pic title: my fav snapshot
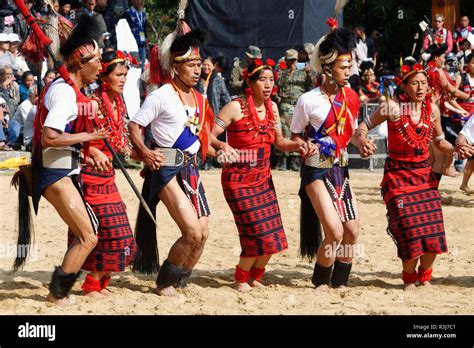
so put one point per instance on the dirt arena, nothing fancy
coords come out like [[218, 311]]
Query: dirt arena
[[375, 284]]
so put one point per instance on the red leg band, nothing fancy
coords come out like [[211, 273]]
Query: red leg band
[[424, 275], [257, 273], [409, 278], [241, 276], [104, 282], [90, 284]]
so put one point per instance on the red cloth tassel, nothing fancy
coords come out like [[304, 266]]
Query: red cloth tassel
[[409, 278], [241, 276], [104, 282], [91, 284], [257, 273], [424, 275]]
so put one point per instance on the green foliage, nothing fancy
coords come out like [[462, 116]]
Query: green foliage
[[162, 17]]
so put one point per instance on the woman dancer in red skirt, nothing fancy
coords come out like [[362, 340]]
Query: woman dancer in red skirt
[[116, 245], [253, 125], [409, 186]]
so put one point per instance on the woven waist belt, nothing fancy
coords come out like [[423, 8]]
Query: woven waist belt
[[176, 157], [60, 158], [320, 160]]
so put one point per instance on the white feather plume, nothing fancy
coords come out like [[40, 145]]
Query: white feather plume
[[315, 61], [339, 6], [182, 8], [165, 53]]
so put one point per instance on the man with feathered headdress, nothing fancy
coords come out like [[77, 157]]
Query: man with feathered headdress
[[326, 115], [62, 124], [180, 120]]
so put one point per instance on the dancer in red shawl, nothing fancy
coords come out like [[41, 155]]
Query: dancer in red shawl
[[409, 186], [444, 93], [326, 116], [253, 125], [180, 119], [116, 246], [62, 124]]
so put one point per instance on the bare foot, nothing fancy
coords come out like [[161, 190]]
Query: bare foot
[[106, 292], [93, 294], [427, 284], [323, 287], [256, 284], [409, 287], [67, 301], [242, 287], [466, 189], [450, 172], [169, 291]]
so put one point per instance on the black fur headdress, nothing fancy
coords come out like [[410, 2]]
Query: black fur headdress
[[85, 32], [337, 42]]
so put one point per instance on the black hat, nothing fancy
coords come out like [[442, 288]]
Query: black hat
[[437, 50]]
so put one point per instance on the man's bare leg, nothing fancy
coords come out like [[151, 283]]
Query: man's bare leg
[[183, 214], [468, 168], [333, 232], [67, 201]]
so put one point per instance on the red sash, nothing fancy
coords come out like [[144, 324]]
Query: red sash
[[344, 108], [206, 119], [83, 122]]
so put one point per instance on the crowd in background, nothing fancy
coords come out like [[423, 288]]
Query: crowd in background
[[221, 79]]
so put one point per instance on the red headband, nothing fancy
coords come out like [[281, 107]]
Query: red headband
[[119, 58], [407, 71], [270, 63]]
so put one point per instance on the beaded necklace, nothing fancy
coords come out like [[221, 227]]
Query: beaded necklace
[[262, 127], [116, 129], [193, 122], [408, 130]]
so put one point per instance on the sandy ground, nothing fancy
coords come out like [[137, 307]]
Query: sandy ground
[[375, 284]]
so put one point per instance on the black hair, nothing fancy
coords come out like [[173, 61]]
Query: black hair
[[366, 65], [49, 71], [222, 62], [25, 75]]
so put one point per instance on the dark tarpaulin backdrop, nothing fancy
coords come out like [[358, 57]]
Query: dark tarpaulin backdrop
[[272, 25]]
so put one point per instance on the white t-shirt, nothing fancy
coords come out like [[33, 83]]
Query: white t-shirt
[[468, 130], [167, 115], [28, 129], [311, 108], [22, 112], [60, 100]]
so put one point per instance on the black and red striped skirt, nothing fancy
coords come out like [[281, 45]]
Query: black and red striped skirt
[[257, 216], [415, 217], [116, 245]]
